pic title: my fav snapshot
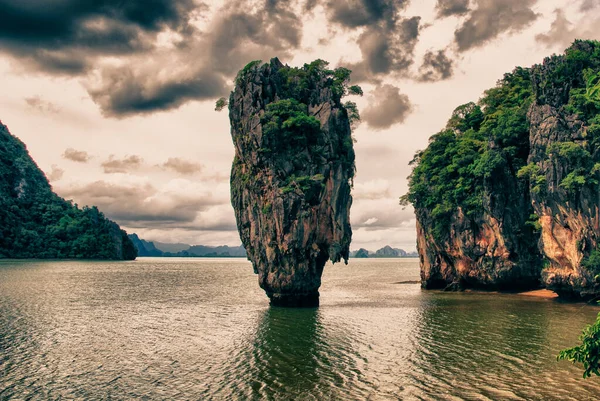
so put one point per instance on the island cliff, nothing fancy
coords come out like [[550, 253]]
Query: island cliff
[[507, 195], [37, 223], [292, 174]]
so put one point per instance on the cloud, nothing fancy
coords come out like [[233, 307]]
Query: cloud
[[124, 165], [382, 214], [38, 104], [435, 67], [491, 18], [376, 189], [587, 5], [562, 32], [74, 155], [199, 67], [387, 106], [358, 13], [386, 49], [56, 173], [446, 8], [177, 205], [134, 59], [65, 37], [182, 166], [125, 91]]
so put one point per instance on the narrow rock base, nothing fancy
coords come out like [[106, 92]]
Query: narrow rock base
[[310, 300]]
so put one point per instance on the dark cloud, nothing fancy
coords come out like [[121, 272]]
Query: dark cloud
[[39, 105], [386, 50], [113, 44], [142, 206], [436, 66], [587, 5], [56, 173], [491, 18], [65, 36], [357, 13], [124, 165], [199, 67], [124, 91], [446, 8], [387, 107], [181, 166], [79, 156]]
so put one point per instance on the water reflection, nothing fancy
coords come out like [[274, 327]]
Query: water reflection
[[495, 347], [202, 330]]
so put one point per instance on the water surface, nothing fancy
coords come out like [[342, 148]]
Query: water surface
[[197, 329]]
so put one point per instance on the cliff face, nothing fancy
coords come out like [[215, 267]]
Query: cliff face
[[36, 223], [291, 177], [564, 144], [531, 161], [487, 251]]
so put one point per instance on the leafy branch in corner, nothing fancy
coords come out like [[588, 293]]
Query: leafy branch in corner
[[588, 353]]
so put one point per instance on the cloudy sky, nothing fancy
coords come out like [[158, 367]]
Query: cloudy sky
[[115, 99]]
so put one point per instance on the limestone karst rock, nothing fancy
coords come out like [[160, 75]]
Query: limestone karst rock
[[291, 175], [508, 195]]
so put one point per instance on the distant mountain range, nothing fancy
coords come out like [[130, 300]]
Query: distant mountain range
[[160, 249], [385, 252]]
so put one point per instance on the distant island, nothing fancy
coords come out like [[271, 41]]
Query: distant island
[[385, 252], [179, 250]]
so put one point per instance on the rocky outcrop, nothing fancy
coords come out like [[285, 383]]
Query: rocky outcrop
[[291, 176], [569, 217], [537, 178], [487, 252]]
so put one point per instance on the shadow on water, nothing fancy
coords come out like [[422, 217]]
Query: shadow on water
[[293, 355]]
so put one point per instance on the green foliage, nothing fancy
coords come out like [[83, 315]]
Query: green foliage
[[247, 68], [355, 90], [353, 114], [287, 126], [580, 162], [592, 262], [451, 172], [534, 222], [36, 223], [533, 173], [299, 83], [221, 104], [588, 353]]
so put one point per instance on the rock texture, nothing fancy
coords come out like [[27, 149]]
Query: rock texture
[[570, 225], [291, 203], [496, 248], [487, 252]]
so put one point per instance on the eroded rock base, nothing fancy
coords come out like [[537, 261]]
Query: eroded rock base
[[310, 300]]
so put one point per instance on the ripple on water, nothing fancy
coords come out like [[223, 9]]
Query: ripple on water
[[201, 329]]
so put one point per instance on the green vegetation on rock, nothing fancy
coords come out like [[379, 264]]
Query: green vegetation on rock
[[451, 172], [37, 223]]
